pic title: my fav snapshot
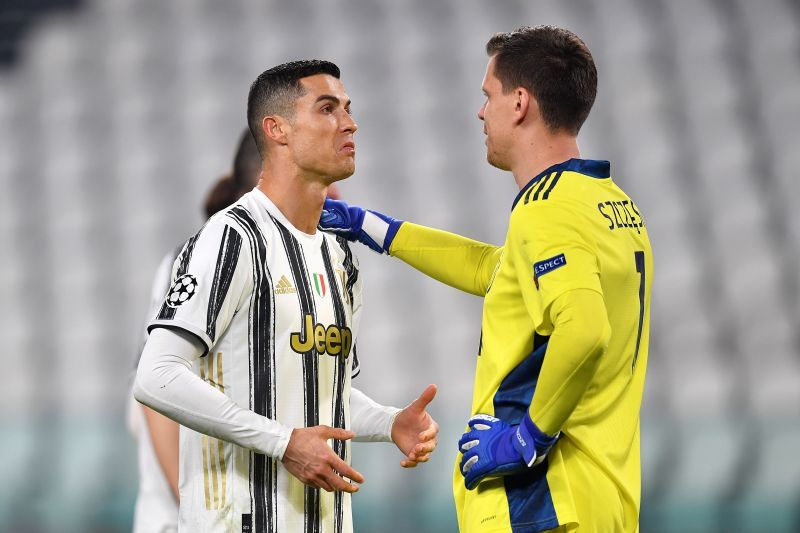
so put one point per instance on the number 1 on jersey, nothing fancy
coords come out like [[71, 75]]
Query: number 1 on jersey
[[638, 258]]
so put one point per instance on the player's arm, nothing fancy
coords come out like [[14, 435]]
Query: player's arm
[[558, 276], [463, 263], [164, 435], [412, 429], [457, 261], [213, 279], [165, 382], [580, 336]]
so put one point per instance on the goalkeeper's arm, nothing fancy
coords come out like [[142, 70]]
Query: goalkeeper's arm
[[454, 260], [462, 263], [580, 336], [491, 448]]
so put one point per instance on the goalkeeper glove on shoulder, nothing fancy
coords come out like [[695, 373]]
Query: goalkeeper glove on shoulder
[[358, 224], [491, 448]]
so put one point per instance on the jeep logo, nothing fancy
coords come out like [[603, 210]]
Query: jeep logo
[[332, 340]]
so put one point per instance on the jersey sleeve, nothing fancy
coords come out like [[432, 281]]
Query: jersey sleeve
[[580, 337], [161, 284], [211, 280], [462, 263], [552, 255]]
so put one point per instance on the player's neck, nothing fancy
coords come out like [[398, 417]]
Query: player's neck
[[540, 153], [300, 200]]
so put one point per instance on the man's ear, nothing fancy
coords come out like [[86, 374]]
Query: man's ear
[[275, 128], [522, 104]]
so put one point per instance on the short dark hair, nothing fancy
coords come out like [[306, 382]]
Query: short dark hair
[[276, 89], [246, 163], [222, 194], [246, 170], [555, 65]]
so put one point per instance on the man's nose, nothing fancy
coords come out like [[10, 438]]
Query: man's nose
[[348, 124]]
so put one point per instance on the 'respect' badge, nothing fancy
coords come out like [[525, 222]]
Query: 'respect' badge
[[548, 265], [182, 290]]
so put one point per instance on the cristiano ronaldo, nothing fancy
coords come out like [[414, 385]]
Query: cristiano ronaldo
[[253, 348]]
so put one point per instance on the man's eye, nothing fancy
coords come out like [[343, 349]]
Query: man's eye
[[326, 109]]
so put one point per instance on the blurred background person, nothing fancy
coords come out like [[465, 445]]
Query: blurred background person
[[156, 435], [113, 112]]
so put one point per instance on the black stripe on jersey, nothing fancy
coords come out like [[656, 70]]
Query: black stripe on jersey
[[263, 469], [340, 377], [310, 360], [546, 194], [536, 187], [349, 268], [541, 187], [545, 185], [351, 272], [227, 259], [356, 366], [166, 312], [176, 253]]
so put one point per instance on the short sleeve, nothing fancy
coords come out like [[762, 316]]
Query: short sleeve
[[211, 279], [161, 283], [552, 255]]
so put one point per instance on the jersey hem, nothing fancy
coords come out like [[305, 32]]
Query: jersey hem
[[529, 527]]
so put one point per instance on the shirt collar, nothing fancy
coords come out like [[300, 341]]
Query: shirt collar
[[588, 167]]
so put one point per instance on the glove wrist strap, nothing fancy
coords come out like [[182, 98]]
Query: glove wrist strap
[[380, 228], [530, 442]]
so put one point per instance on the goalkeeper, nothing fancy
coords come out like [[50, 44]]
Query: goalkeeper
[[553, 443]]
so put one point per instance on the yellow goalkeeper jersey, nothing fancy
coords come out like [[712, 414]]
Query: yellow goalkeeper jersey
[[571, 228]]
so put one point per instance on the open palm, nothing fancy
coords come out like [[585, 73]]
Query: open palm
[[414, 430]]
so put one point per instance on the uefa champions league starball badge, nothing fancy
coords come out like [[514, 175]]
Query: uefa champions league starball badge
[[182, 290]]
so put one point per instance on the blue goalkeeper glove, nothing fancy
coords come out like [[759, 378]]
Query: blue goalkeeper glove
[[492, 448], [357, 224]]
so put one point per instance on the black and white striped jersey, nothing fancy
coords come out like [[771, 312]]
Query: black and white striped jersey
[[278, 312]]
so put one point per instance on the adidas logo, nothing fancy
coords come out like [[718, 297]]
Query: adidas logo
[[284, 286]]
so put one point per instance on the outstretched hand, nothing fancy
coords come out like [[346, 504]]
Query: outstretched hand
[[309, 458], [414, 430]]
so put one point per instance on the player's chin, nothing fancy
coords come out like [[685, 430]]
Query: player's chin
[[495, 162], [344, 170]]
